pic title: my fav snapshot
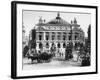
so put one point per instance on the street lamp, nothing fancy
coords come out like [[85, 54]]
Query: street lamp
[[71, 37]]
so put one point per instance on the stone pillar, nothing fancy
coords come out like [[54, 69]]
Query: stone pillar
[[60, 45], [56, 44], [55, 36], [44, 46], [61, 36], [37, 35], [44, 35], [66, 36], [73, 36], [50, 35], [37, 46]]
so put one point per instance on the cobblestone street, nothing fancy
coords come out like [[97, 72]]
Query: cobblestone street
[[54, 63]]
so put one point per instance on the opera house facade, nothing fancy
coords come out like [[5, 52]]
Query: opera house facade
[[58, 33]]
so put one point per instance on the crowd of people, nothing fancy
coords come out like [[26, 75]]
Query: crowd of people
[[83, 54]]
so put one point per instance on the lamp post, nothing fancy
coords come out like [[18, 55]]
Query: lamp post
[[71, 38]]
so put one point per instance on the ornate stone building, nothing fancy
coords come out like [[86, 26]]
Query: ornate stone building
[[58, 33]]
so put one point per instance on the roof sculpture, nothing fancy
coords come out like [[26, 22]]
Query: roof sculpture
[[57, 21]]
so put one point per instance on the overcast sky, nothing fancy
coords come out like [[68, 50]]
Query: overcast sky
[[30, 18]]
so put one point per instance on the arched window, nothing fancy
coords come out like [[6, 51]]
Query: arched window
[[40, 37], [47, 45], [53, 44], [64, 37], [69, 37], [40, 45], [58, 45], [53, 37], [64, 45], [59, 36], [76, 35], [47, 36]]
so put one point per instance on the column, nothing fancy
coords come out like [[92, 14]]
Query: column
[[44, 33], [67, 36], [44, 46], [56, 36], [73, 35], [61, 45], [50, 36], [56, 44], [37, 47], [73, 38]]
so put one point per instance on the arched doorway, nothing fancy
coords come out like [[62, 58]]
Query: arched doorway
[[58, 45], [40, 45], [64, 45]]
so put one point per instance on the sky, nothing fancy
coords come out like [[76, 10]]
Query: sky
[[31, 18]]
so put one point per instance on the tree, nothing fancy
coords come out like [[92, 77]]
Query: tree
[[33, 44], [68, 53], [25, 51]]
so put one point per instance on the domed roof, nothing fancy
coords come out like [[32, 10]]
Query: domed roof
[[58, 20]]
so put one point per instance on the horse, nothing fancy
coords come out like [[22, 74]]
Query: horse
[[43, 57]]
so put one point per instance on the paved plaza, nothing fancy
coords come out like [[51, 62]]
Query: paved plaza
[[54, 63]]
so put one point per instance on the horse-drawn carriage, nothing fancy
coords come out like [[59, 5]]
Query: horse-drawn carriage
[[40, 57]]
